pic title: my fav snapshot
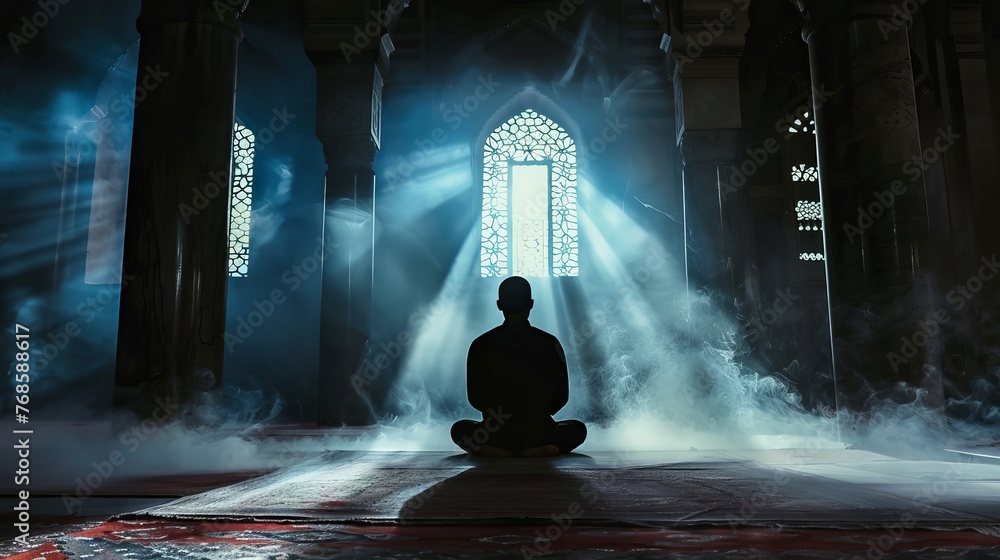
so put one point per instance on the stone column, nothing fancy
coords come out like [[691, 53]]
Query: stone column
[[703, 45], [349, 45], [976, 65], [883, 318], [175, 266], [345, 313], [707, 97], [704, 61], [710, 211]]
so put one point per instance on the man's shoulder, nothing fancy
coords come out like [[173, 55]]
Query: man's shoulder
[[544, 335], [548, 340], [487, 336], [500, 333]]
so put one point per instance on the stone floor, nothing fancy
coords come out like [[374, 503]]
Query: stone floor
[[784, 503]]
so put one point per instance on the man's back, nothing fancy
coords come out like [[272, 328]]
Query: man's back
[[520, 368]]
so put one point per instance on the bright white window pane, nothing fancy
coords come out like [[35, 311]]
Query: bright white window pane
[[529, 219]]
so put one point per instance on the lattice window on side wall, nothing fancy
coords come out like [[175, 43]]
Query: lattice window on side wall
[[803, 124], [529, 218], [810, 215], [808, 212], [803, 172], [240, 202]]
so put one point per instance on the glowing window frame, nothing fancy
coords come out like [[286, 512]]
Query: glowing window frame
[[529, 138]]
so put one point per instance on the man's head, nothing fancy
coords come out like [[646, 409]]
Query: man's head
[[515, 297]]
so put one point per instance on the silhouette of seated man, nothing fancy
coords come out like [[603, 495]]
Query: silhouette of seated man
[[517, 378]]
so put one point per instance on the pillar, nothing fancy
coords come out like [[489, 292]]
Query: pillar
[[175, 265], [346, 307], [705, 62], [884, 320], [709, 211], [972, 178], [349, 44]]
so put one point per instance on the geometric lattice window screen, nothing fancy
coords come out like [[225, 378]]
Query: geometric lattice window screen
[[810, 218], [803, 172], [803, 124], [529, 221], [239, 203], [808, 213]]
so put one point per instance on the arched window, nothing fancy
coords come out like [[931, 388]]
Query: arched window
[[239, 203], [529, 199]]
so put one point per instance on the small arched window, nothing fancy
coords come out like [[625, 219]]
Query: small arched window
[[529, 221]]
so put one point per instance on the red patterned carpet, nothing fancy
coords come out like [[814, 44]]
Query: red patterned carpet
[[820, 504], [152, 539]]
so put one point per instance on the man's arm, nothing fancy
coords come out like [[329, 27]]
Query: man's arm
[[476, 380], [560, 381]]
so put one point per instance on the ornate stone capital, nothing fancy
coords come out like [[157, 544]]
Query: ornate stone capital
[[350, 101], [349, 43], [707, 94]]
